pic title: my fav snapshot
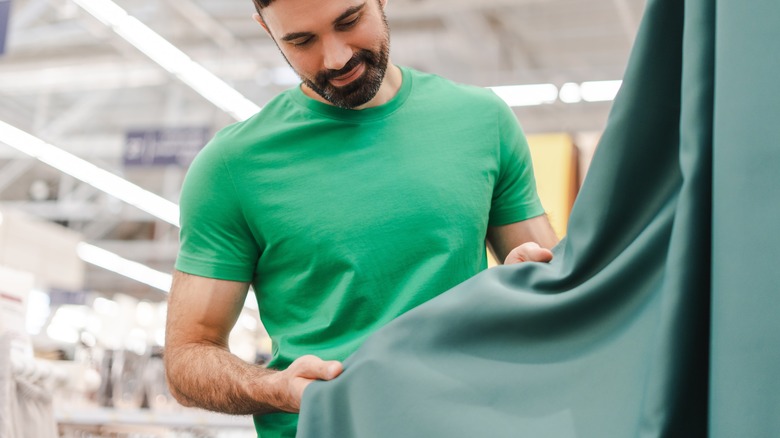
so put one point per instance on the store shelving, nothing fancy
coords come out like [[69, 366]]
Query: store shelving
[[175, 419]]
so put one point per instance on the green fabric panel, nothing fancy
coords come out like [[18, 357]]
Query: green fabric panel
[[611, 339], [745, 395]]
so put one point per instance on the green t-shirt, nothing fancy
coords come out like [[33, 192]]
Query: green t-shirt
[[344, 219]]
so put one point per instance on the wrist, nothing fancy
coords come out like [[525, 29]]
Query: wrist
[[268, 389]]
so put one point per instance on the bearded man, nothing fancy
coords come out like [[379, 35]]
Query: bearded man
[[348, 200]]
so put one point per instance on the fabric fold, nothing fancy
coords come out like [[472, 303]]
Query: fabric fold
[[613, 337]]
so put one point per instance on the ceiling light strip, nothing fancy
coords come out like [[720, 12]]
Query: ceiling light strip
[[159, 50], [527, 95], [544, 94], [600, 91], [134, 270], [87, 172]]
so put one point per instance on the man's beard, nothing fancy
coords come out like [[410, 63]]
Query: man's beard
[[360, 90]]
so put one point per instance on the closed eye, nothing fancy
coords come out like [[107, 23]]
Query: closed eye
[[302, 42], [346, 25]]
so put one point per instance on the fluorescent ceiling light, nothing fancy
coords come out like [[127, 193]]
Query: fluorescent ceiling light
[[112, 262], [570, 93], [171, 58], [89, 173], [137, 271], [527, 95], [114, 186], [600, 91]]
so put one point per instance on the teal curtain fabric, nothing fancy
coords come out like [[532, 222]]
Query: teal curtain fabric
[[659, 315], [745, 359]]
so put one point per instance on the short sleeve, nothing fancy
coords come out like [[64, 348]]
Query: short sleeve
[[514, 194], [216, 240]]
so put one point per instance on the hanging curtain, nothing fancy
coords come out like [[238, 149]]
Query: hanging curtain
[[660, 314]]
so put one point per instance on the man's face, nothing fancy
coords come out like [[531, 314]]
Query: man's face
[[339, 48]]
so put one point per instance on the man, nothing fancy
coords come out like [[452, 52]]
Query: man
[[347, 201]]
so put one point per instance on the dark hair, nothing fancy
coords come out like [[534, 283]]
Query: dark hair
[[260, 4]]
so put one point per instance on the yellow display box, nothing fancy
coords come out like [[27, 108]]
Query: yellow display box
[[556, 172]]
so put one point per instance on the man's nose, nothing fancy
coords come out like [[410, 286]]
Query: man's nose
[[337, 53]]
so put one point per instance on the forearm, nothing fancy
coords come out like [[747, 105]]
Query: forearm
[[504, 239], [210, 377], [546, 236]]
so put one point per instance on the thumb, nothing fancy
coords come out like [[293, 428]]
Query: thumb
[[312, 367], [528, 252], [332, 369]]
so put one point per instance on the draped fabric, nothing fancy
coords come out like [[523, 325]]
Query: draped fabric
[[26, 409], [745, 335], [659, 316]]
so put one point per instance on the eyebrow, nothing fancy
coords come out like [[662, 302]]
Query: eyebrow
[[348, 12], [296, 35]]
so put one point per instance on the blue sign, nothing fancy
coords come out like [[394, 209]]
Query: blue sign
[[164, 147], [58, 297], [5, 12]]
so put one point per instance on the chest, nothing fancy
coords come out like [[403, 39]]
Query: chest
[[342, 189]]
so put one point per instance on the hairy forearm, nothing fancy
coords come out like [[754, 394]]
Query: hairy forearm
[[210, 377]]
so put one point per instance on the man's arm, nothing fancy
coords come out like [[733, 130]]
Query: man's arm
[[528, 240], [201, 370]]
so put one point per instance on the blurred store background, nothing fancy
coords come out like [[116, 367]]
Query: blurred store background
[[102, 106]]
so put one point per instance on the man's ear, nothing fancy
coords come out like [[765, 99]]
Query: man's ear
[[259, 19]]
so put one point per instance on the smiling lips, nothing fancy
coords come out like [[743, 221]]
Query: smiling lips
[[349, 77]]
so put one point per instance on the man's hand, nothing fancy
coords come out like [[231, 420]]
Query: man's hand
[[519, 236], [528, 252], [299, 375]]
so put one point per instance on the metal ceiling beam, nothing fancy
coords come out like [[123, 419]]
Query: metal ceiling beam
[[76, 211], [14, 170], [148, 250], [207, 24], [99, 227], [85, 107], [29, 13]]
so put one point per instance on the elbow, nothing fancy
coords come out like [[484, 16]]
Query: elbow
[[177, 395], [172, 382]]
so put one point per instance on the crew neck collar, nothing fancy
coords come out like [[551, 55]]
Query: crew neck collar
[[372, 113]]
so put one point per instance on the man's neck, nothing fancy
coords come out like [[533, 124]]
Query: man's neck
[[389, 88]]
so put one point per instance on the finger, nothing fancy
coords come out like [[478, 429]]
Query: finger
[[528, 252], [312, 367], [540, 255], [333, 369], [311, 370]]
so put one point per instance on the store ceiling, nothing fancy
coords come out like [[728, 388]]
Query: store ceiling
[[70, 80]]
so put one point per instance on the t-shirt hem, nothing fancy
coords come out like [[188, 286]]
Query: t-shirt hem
[[210, 270], [508, 215]]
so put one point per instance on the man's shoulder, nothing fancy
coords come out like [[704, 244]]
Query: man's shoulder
[[445, 89], [236, 137], [276, 110]]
